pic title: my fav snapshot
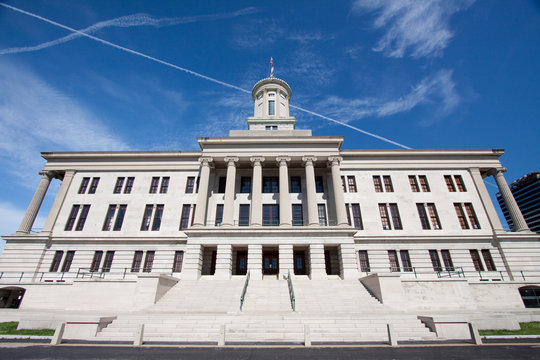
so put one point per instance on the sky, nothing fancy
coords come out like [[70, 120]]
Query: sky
[[155, 75]]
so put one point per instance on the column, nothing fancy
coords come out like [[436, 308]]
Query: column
[[285, 210], [349, 269], [255, 261], [316, 259], [286, 261], [58, 201], [517, 217], [32, 211], [192, 262], [339, 199], [486, 200], [228, 208], [256, 191], [202, 197], [223, 262], [311, 193]]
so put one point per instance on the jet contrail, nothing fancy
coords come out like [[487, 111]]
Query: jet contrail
[[81, 33]]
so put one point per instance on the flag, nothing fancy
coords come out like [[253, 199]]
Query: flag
[[271, 66]]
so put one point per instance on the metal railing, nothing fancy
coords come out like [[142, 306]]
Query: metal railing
[[85, 273], [243, 296], [426, 272], [291, 291]]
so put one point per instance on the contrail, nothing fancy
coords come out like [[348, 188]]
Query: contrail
[[82, 33]]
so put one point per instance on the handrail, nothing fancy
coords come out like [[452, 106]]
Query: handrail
[[291, 291], [243, 296]]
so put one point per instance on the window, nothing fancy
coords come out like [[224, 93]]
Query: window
[[68, 260], [137, 260], [351, 180], [393, 259], [423, 183], [297, 215], [93, 185], [319, 185], [119, 185], [109, 256], [245, 184], [82, 217], [147, 216], [243, 218], [270, 215], [270, 184], [72, 217], [129, 185], [164, 185], [154, 185], [119, 217], [377, 183], [271, 107], [433, 216], [530, 295], [414, 183], [423, 216], [357, 216], [184, 219], [149, 261], [296, 184], [461, 216], [478, 266], [84, 185], [270, 127], [396, 220], [96, 261], [343, 184], [422, 179], [449, 183], [385, 219], [56, 261], [405, 260], [321, 210], [460, 184], [222, 183], [219, 215], [488, 260], [348, 211], [435, 261], [190, 184], [388, 187], [364, 261], [178, 260], [447, 260], [471, 215]]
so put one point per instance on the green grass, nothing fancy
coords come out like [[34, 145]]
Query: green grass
[[529, 328], [10, 328]]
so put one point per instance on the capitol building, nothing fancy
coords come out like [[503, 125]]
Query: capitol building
[[271, 235]]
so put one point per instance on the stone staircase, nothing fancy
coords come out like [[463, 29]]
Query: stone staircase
[[268, 295]]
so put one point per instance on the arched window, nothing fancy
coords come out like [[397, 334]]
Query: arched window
[[530, 296], [11, 297]]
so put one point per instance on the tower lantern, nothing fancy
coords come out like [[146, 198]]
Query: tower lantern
[[271, 109]]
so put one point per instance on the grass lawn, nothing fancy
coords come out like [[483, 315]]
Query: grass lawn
[[10, 328], [529, 328]]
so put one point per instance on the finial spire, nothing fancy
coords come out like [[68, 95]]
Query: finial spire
[[271, 67]]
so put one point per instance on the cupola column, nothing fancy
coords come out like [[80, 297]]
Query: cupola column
[[202, 198], [339, 199], [515, 213], [228, 208], [284, 198], [311, 193], [256, 191], [32, 211]]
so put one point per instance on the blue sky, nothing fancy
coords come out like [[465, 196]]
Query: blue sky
[[424, 74]]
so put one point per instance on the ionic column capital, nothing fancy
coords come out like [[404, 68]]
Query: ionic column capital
[[283, 160], [495, 171], [206, 160], [231, 160], [309, 160], [334, 160], [257, 160], [48, 174]]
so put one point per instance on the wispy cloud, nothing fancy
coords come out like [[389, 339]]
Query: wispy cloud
[[35, 117], [132, 21], [311, 67], [418, 27]]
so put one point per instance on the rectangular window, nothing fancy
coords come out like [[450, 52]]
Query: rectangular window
[[119, 185], [447, 260], [351, 180], [222, 183], [364, 261], [164, 185], [423, 183], [435, 261], [219, 215], [178, 260], [488, 260], [296, 184], [137, 260], [321, 210], [190, 184], [193, 217], [478, 266], [297, 215], [243, 218], [414, 183], [72, 217], [271, 107], [377, 183], [385, 219], [109, 256], [461, 216], [270, 215], [396, 219], [319, 185], [357, 216], [197, 184], [347, 209], [460, 184], [423, 216], [472, 216], [93, 185], [245, 184], [84, 185], [434, 216], [146, 217], [120, 218], [68, 260], [343, 184], [149, 261], [96, 261], [393, 259], [108, 218], [129, 185], [184, 219], [56, 261], [405, 260], [449, 183], [270, 184], [82, 217], [156, 224], [426, 220], [154, 185], [388, 187]]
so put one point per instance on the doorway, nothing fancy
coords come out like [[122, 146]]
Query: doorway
[[270, 262], [300, 263], [209, 260], [241, 262]]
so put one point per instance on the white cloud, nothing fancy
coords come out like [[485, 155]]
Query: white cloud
[[419, 27], [10, 219]]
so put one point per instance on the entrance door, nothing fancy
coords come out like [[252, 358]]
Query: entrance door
[[270, 263], [241, 263], [300, 262]]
